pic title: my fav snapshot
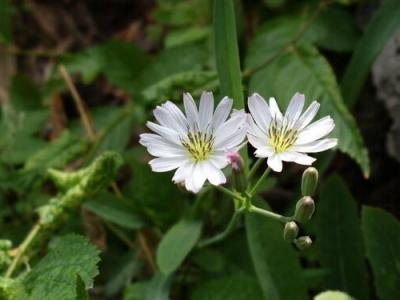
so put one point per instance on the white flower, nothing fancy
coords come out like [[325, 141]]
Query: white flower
[[195, 143], [287, 137]]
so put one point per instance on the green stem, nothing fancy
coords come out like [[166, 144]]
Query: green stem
[[120, 234], [259, 181], [269, 214], [221, 236], [229, 192], [255, 167], [22, 249]]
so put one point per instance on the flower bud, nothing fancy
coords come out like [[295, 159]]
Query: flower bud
[[303, 242], [291, 231], [309, 181], [305, 208], [235, 160]]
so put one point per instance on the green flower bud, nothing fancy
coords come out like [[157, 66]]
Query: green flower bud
[[303, 242], [290, 232], [305, 208], [309, 181]]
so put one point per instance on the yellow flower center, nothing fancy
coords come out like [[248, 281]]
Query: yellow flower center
[[281, 137], [199, 145]]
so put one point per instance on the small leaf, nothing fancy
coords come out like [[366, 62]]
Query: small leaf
[[234, 287], [55, 276], [333, 295], [115, 210], [158, 288], [176, 244], [382, 240], [276, 263], [337, 231], [385, 23]]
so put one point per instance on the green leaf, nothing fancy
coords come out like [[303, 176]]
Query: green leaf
[[161, 203], [136, 291], [337, 231], [234, 287], [172, 87], [6, 14], [55, 276], [276, 263], [176, 244], [12, 289], [382, 240], [57, 153], [311, 74], [24, 95], [186, 35], [82, 293], [332, 295], [158, 288], [115, 210], [227, 52], [385, 23], [174, 60]]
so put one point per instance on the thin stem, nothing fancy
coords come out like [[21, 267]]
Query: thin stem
[[254, 189], [229, 192], [255, 167], [22, 249], [269, 214], [224, 234]]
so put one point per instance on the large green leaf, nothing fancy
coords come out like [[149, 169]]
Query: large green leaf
[[382, 240], [382, 27], [235, 287], [337, 231], [227, 52], [55, 276], [276, 263], [115, 210], [304, 70], [176, 244]]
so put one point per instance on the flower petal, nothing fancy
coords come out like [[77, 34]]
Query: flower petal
[[192, 115], [230, 128], [316, 146], [196, 179], [275, 163], [206, 109], [166, 119], [167, 133], [294, 108], [274, 109], [214, 175], [183, 172], [222, 112], [315, 130], [260, 111], [165, 164], [264, 152], [308, 115], [300, 158]]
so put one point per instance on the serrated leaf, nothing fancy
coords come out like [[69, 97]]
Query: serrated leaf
[[55, 276], [385, 23], [234, 287], [382, 241], [276, 263], [176, 244], [332, 295], [337, 231], [115, 210], [311, 74]]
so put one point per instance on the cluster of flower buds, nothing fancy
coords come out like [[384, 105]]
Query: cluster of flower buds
[[305, 208], [5, 257]]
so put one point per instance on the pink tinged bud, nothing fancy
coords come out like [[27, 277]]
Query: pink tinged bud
[[235, 160]]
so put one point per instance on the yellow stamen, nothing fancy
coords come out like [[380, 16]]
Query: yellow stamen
[[199, 145], [281, 137]]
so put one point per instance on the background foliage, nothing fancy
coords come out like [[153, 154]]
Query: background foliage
[[113, 230]]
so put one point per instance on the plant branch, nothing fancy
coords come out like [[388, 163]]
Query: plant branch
[[269, 214], [22, 249], [254, 189]]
